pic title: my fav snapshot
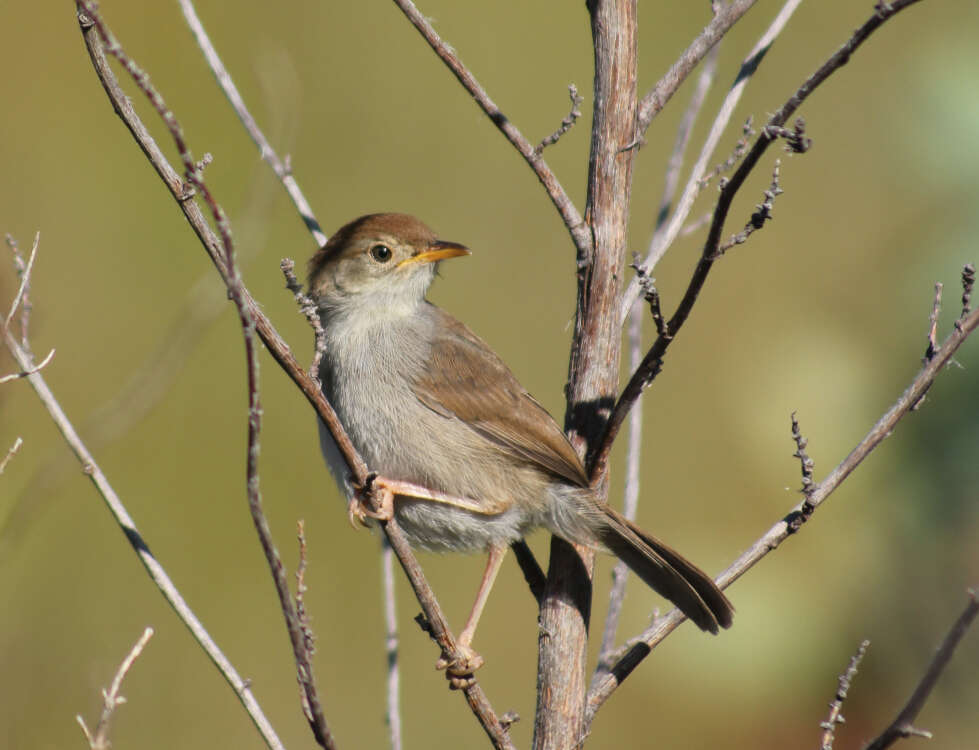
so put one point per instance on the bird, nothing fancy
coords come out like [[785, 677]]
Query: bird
[[466, 459]]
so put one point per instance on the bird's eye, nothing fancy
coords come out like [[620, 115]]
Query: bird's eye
[[381, 253]]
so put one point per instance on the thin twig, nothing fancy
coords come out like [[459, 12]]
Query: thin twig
[[532, 572], [653, 102], [25, 281], [24, 373], [763, 213], [25, 306], [562, 202], [630, 501], [662, 240], [90, 21], [709, 254], [281, 169], [301, 589], [739, 150], [684, 133], [156, 571], [11, 453], [968, 281], [936, 308], [567, 123], [308, 308], [805, 462], [836, 706], [99, 739], [640, 647], [903, 726], [274, 343], [438, 628], [393, 693], [652, 364]]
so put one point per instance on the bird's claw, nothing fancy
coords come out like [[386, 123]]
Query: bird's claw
[[361, 510]]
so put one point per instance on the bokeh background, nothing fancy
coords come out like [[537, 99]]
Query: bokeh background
[[823, 313]]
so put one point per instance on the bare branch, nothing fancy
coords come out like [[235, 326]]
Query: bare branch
[[567, 123], [653, 102], [393, 712], [532, 572], [97, 34], [156, 571], [652, 364], [275, 345], [111, 699], [836, 707], [34, 368], [631, 491], [902, 725], [968, 281], [763, 213], [562, 202], [936, 308], [712, 246], [640, 647], [281, 169], [630, 503], [739, 150], [308, 309], [593, 364], [804, 460], [25, 280], [301, 589], [438, 627], [11, 453], [25, 296], [663, 239]]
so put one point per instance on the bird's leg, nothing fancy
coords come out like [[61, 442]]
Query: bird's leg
[[358, 508], [459, 668]]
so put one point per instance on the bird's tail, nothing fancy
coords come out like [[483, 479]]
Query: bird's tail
[[665, 571]]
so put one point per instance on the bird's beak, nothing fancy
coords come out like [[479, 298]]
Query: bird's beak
[[438, 250]]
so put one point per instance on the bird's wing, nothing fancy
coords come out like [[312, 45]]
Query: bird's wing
[[464, 379]]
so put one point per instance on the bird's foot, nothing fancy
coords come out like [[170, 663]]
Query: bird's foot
[[459, 668], [373, 500]]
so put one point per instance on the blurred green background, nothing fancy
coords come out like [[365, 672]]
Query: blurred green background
[[823, 313]]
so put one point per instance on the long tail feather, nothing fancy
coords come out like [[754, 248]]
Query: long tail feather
[[665, 571]]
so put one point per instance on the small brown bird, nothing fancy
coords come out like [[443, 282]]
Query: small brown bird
[[474, 461]]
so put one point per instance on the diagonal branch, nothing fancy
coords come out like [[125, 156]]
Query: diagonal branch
[[654, 101], [843, 684], [562, 202], [98, 40], [797, 517], [634, 336], [902, 725], [227, 84], [155, 570], [665, 234], [283, 356], [98, 738], [772, 131]]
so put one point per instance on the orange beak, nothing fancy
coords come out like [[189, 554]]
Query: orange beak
[[437, 251]]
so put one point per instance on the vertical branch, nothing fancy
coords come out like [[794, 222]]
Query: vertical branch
[[630, 503], [593, 368], [393, 711]]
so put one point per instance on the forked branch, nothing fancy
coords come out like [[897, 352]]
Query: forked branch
[[713, 245], [93, 27], [639, 648]]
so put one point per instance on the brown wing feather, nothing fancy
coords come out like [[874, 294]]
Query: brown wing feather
[[465, 379]]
